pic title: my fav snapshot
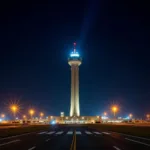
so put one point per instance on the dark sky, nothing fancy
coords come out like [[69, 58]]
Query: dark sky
[[112, 37]]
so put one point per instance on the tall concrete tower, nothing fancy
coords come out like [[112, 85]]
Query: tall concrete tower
[[74, 61]]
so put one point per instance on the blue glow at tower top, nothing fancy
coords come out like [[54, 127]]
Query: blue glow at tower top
[[74, 53]]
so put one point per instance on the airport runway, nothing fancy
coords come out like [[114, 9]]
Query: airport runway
[[80, 138]]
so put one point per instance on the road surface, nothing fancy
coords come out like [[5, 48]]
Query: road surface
[[83, 138]]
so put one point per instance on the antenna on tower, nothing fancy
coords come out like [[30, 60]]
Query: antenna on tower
[[74, 45]]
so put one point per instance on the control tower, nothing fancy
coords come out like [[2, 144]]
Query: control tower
[[74, 61]]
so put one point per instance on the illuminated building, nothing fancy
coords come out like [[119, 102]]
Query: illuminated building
[[62, 114], [74, 61]]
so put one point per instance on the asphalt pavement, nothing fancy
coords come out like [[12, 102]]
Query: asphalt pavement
[[74, 138]]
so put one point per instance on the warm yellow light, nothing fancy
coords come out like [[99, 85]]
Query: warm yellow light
[[105, 113], [14, 108], [93, 121], [147, 115], [114, 109], [31, 112], [3, 115], [41, 114], [130, 115], [24, 116]]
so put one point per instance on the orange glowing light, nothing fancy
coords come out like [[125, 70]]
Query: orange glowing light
[[148, 116], [3, 115], [41, 114], [105, 113], [114, 109], [14, 108], [31, 112], [24, 116], [130, 115]]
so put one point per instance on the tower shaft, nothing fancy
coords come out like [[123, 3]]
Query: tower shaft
[[74, 108]]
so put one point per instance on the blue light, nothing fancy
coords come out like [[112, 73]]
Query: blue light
[[127, 118], [53, 122], [0, 120], [74, 54], [104, 117]]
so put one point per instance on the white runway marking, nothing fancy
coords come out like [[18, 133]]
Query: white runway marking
[[42, 132], [78, 132], [32, 148], [106, 133], [87, 132], [9, 142], [137, 142], [116, 148], [50, 132], [132, 136], [70, 132], [10, 137], [97, 133], [60, 132]]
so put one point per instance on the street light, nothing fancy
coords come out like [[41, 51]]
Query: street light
[[105, 113], [31, 112], [41, 114], [114, 109], [130, 115], [3, 115], [14, 108], [148, 116], [24, 116]]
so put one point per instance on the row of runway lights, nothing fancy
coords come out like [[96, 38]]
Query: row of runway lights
[[15, 109]]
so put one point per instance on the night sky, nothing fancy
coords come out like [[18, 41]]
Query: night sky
[[36, 39]]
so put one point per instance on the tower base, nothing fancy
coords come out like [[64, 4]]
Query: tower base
[[75, 120]]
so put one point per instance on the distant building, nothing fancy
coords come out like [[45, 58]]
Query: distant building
[[75, 120], [62, 114]]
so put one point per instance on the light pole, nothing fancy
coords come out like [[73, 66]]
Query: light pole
[[130, 116], [41, 114], [14, 109], [114, 109], [148, 116], [31, 112]]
